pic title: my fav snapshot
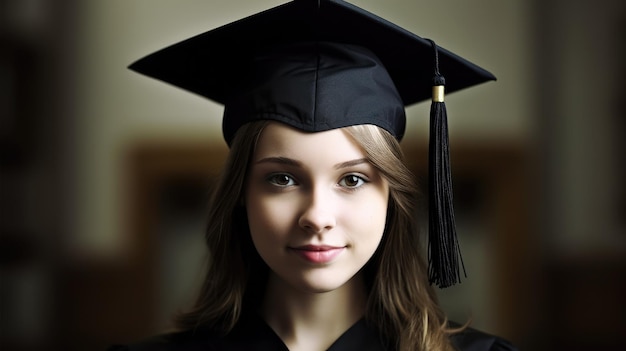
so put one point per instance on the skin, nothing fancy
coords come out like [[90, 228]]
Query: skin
[[308, 192]]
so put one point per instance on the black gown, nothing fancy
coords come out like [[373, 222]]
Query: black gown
[[253, 334]]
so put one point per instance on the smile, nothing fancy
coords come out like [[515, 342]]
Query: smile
[[318, 254]]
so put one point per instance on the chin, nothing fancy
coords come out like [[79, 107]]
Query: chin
[[319, 285], [323, 288]]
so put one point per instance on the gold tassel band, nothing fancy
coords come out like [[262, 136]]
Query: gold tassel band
[[438, 93]]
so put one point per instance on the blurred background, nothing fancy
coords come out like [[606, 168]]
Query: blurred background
[[105, 173]]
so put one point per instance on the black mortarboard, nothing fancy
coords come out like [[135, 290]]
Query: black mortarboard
[[323, 64]]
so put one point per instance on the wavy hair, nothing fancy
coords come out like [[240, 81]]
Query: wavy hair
[[401, 305]]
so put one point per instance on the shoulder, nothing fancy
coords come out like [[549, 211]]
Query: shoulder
[[184, 341], [250, 334], [475, 340]]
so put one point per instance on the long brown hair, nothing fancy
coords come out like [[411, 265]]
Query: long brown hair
[[402, 305]]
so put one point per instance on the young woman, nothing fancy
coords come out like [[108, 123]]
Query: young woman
[[312, 229]]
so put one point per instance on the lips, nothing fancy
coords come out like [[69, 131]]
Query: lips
[[318, 254]]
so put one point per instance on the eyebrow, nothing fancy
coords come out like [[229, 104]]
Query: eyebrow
[[351, 163], [280, 160], [295, 163]]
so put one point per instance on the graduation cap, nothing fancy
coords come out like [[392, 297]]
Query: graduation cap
[[324, 64]]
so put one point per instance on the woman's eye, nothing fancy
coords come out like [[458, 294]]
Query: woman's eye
[[282, 180], [352, 181]]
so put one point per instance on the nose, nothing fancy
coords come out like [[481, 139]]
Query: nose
[[318, 215]]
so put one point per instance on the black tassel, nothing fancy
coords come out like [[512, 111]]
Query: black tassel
[[444, 253]]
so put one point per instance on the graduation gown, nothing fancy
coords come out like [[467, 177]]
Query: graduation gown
[[253, 334]]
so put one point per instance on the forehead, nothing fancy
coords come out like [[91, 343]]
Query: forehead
[[278, 139]]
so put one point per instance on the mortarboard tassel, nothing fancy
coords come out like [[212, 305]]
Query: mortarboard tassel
[[444, 253]]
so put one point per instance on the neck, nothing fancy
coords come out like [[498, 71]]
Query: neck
[[312, 320]]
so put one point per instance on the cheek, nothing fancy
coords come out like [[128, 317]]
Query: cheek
[[368, 219], [267, 219], [375, 207]]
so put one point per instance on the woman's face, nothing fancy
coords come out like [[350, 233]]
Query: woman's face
[[316, 207]]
